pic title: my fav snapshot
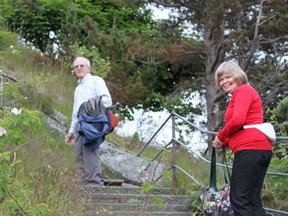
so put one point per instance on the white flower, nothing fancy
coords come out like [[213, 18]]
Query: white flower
[[2, 131], [15, 111]]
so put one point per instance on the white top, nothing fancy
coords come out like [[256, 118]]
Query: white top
[[88, 87]]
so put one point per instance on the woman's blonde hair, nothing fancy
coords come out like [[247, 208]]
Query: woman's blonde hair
[[233, 69]]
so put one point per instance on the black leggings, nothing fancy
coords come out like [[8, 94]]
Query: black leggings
[[248, 173]]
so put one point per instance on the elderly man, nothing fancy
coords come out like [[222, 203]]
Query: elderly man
[[87, 158]]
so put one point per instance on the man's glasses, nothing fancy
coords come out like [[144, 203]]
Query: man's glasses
[[81, 66]]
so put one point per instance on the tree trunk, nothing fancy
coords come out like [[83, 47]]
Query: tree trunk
[[214, 40]]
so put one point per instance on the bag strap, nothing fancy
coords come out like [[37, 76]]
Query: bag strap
[[227, 177], [213, 169], [213, 176]]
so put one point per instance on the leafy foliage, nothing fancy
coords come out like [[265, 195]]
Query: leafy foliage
[[17, 126], [277, 117], [128, 53], [7, 39], [28, 168], [131, 44], [36, 21], [6, 171], [281, 111]]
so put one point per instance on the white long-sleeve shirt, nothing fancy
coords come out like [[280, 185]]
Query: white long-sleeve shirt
[[88, 87]]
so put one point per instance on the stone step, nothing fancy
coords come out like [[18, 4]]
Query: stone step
[[139, 207], [125, 201], [113, 182], [135, 213], [130, 190], [132, 198]]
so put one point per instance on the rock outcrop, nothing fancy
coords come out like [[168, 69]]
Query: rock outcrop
[[133, 169]]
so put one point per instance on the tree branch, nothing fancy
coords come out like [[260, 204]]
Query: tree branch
[[265, 41], [200, 51], [255, 41], [24, 212]]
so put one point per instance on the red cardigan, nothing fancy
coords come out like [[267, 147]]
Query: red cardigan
[[244, 108]]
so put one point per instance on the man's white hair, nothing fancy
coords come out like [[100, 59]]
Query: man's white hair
[[87, 62]]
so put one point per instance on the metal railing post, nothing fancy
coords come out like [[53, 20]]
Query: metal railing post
[[2, 76], [174, 176]]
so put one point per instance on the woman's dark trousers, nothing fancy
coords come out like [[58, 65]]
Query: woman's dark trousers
[[248, 173]]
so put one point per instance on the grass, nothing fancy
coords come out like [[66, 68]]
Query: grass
[[43, 183]]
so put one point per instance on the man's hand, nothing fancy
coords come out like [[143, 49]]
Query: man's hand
[[68, 138]]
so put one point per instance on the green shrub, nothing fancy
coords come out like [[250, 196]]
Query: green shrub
[[7, 40]]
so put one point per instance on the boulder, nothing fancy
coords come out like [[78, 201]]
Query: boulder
[[133, 169]]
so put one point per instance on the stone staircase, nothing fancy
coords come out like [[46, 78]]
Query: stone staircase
[[126, 200]]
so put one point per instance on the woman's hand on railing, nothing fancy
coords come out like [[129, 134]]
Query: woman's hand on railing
[[217, 143]]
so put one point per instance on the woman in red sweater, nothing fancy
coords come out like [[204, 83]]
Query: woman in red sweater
[[252, 149]]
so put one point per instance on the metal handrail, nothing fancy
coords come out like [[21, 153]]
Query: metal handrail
[[173, 141], [278, 138], [193, 125], [156, 156], [154, 135], [276, 211], [186, 173]]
